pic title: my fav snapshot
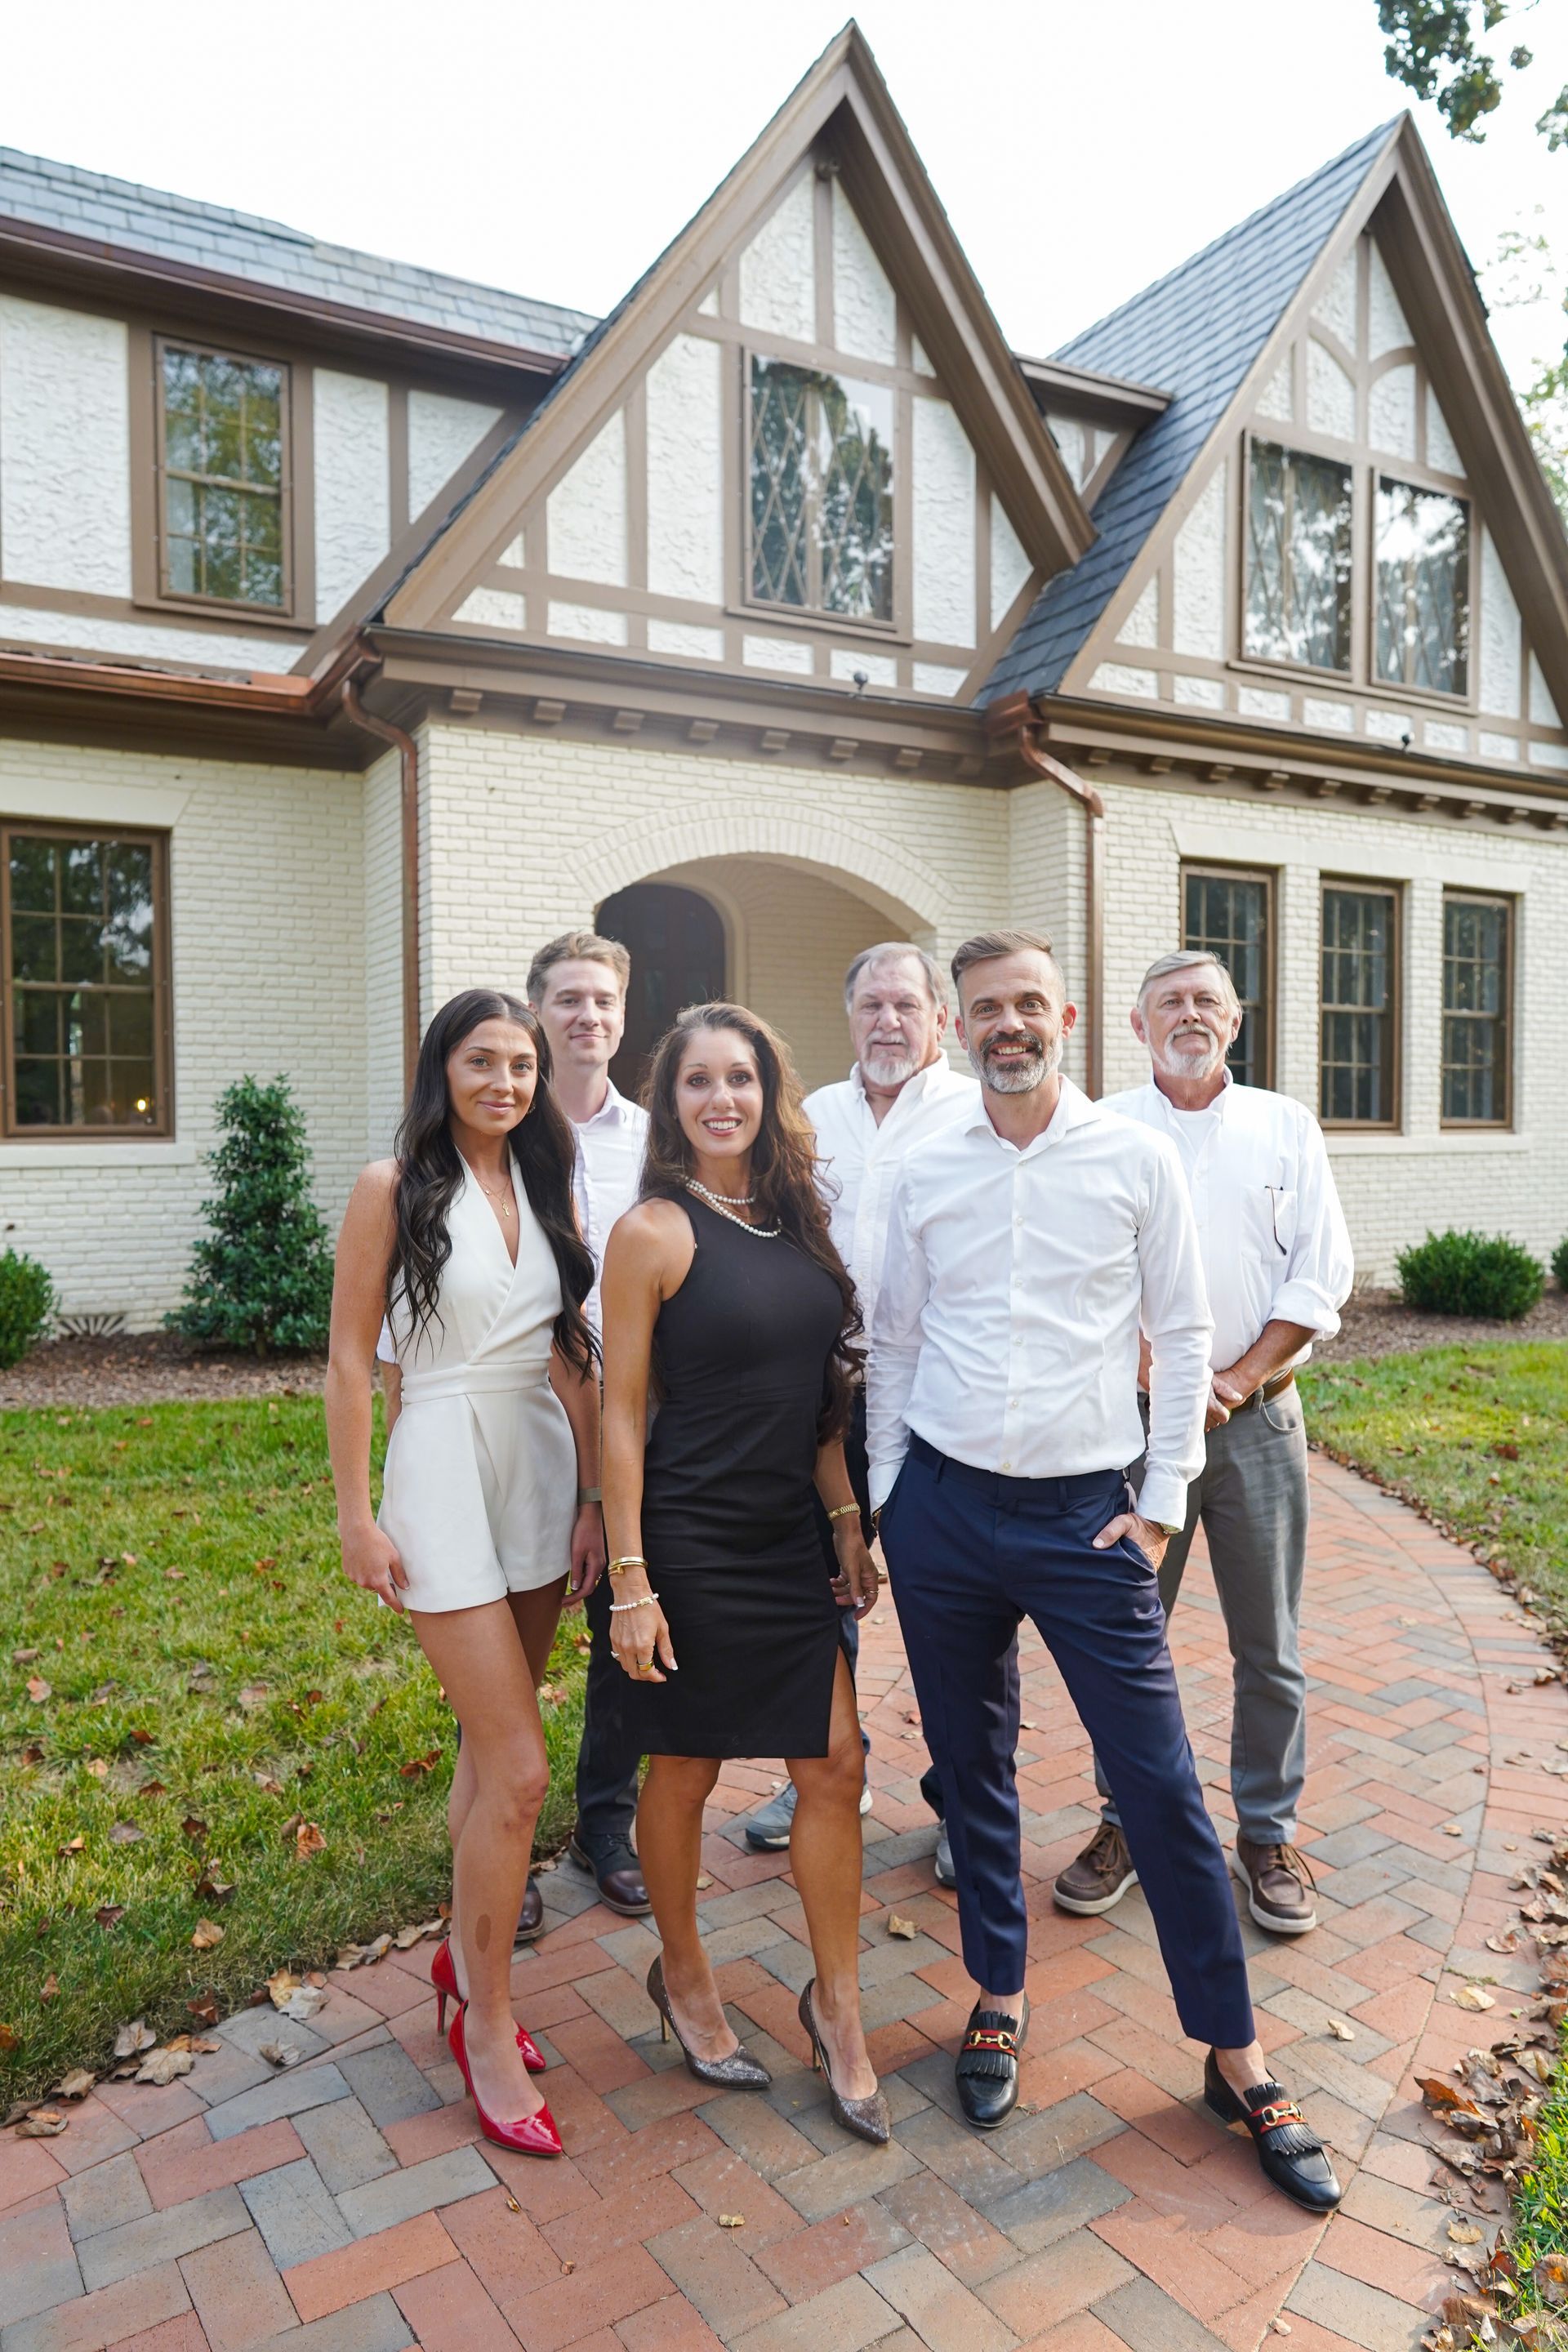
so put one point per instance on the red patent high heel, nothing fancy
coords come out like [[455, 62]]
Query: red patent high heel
[[444, 1977], [532, 2135]]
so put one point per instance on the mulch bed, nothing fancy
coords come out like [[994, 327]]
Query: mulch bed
[[155, 1368]]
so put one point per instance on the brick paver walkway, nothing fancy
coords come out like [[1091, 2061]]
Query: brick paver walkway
[[344, 2206]]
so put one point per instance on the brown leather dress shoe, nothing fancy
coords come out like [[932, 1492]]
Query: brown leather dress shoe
[[617, 1877], [530, 1919], [1279, 1887], [1098, 1878]]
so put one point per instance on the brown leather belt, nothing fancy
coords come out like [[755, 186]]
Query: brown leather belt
[[1269, 1391]]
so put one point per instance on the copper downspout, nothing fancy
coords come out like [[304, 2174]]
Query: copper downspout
[[408, 755], [1053, 770]]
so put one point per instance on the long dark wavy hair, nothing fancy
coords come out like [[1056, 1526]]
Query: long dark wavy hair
[[782, 1179], [430, 1169]]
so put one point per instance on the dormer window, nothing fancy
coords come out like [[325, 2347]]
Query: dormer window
[[821, 467], [1422, 588], [222, 436], [1297, 559]]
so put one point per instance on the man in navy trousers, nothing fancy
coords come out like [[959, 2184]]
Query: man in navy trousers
[[1028, 1244]]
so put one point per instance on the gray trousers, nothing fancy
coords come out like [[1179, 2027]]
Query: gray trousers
[[1250, 1498]]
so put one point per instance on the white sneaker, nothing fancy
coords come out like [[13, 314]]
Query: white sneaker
[[945, 1874], [866, 1795], [768, 1830]]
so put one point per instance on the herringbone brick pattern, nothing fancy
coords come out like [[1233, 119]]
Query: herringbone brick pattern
[[347, 2206]]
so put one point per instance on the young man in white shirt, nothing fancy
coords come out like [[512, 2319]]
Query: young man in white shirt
[[1277, 1267], [577, 985], [1028, 1245], [901, 1088]]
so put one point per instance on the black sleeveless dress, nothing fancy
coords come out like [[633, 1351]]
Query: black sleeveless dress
[[742, 1353]]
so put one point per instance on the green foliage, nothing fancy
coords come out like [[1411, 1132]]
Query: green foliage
[[1470, 1273], [263, 1278], [27, 1303], [203, 1675], [1560, 1261], [1477, 1434], [1428, 38]]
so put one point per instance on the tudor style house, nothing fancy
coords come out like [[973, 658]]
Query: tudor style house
[[361, 629]]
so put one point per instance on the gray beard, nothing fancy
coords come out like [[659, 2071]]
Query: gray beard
[[1015, 1077], [1189, 1066], [885, 1067]]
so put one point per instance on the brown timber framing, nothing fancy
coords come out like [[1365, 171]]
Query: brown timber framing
[[843, 103]]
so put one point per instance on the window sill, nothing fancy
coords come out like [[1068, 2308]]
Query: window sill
[[132, 1153], [1344, 1142]]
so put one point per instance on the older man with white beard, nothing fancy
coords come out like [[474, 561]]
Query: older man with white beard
[[901, 1088], [1277, 1261]]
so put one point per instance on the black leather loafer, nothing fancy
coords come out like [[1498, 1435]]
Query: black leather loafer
[[987, 2069], [1290, 2151]]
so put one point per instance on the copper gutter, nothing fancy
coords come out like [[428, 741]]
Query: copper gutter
[[1016, 712], [264, 692], [409, 756]]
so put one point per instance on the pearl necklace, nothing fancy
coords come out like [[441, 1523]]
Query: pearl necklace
[[716, 1202]]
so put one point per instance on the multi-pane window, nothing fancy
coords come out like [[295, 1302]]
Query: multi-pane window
[[81, 924], [821, 470], [1477, 959], [1358, 1064], [1227, 913], [1422, 588], [1297, 559], [224, 458]]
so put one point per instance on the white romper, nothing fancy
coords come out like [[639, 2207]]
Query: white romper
[[481, 1485]]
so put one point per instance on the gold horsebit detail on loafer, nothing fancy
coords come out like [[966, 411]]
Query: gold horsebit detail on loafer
[[1271, 2117], [980, 2037]]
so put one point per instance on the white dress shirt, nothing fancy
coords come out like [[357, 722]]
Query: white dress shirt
[[605, 1176], [863, 1159], [1015, 1282], [1275, 1244]]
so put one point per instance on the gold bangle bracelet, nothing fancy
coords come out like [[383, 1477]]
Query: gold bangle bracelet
[[631, 1560], [842, 1510]]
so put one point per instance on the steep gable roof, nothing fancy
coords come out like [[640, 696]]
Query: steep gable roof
[[888, 184], [127, 219], [1196, 332]]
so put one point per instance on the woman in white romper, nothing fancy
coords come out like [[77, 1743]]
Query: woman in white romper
[[467, 1241]]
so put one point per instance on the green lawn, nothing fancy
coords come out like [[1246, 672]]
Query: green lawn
[[1478, 1434], [205, 1683]]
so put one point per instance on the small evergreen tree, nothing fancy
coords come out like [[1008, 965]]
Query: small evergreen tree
[[263, 1278], [27, 1303]]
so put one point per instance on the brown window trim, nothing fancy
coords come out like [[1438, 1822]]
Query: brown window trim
[[1511, 910], [1217, 867], [1442, 696], [298, 611], [824, 361], [163, 1129], [1393, 1124]]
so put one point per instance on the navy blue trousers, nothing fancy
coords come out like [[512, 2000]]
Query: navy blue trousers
[[970, 1555]]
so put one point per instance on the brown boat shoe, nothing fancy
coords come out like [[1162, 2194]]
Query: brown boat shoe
[[1279, 1887], [1098, 1877]]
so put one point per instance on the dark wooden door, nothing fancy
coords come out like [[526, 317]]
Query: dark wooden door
[[676, 941]]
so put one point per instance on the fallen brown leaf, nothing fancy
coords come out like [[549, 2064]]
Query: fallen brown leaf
[[38, 1690], [282, 2054], [161, 2067], [109, 1914], [98, 1768], [193, 1827], [703, 1880], [1474, 1997], [904, 1928], [72, 1846], [76, 2085], [134, 2038], [207, 1935], [125, 1834], [308, 1840], [418, 1764], [732, 2220], [44, 2122], [1464, 2233], [205, 2010], [1340, 2031]]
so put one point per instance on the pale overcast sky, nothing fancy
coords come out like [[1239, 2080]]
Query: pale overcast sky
[[1080, 149]]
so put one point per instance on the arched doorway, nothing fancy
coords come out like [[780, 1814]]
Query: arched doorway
[[676, 941]]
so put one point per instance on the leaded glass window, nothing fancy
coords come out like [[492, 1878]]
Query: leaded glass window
[[1225, 913], [82, 967], [1477, 958], [1297, 559], [822, 492], [1357, 1075], [1422, 588], [223, 455]]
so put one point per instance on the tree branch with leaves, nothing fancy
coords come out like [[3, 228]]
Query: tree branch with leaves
[[1433, 48]]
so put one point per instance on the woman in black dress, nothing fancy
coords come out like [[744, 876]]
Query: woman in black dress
[[725, 1300]]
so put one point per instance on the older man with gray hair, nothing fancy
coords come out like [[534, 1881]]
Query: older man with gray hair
[[1277, 1262], [901, 1088]]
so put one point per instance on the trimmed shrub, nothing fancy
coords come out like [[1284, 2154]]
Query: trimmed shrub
[[263, 1279], [1560, 1261], [1470, 1273], [27, 1303]]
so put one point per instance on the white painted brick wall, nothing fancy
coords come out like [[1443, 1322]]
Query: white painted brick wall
[[268, 904]]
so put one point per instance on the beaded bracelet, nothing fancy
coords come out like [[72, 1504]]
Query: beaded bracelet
[[645, 1602]]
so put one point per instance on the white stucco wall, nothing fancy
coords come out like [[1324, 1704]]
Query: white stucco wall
[[1010, 565], [1198, 573], [586, 511], [1330, 394], [149, 640], [1336, 304], [864, 309], [65, 449], [441, 433], [353, 508], [1388, 329], [943, 525], [1391, 412], [267, 929], [685, 473], [1501, 675], [778, 273]]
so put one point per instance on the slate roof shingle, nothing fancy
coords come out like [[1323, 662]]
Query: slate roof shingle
[[1196, 332], [133, 219]]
